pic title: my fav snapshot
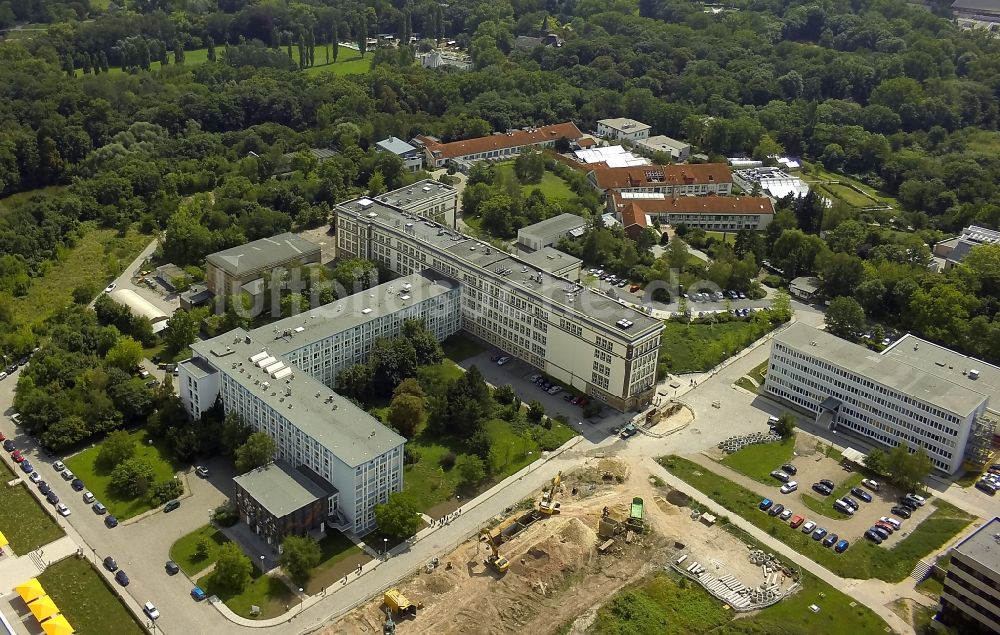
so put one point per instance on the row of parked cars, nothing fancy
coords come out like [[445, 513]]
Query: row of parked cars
[[807, 526], [715, 296], [990, 481], [12, 368], [886, 525]]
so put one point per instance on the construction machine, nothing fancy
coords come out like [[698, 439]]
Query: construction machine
[[549, 505], [398, 604], [495, 561]]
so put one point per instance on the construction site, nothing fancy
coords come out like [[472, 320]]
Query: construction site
[[588, 534]]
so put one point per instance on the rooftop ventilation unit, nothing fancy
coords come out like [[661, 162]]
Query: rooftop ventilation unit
[[366, 311], [974, 373], [365, 203]]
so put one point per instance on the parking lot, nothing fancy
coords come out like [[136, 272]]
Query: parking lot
[[813, 466]]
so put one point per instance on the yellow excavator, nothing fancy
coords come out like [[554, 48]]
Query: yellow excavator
[[495, 561], [549, 505]]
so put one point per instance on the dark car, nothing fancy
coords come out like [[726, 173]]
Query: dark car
[[171, 567], [171, 505], [902, 512], [77, 484], [881, 533], [841, 546], [827, 482], [44, 488], [862, 494], [851, 503], [110, 564], [51, 497], [910, 505], [788, 468], [818, 533], [777, 509], [871, 535], [22, 361], [121, 577], [9, 446], [822, 489], [986, 486], [830, 540], [26, 467], [110, 521]]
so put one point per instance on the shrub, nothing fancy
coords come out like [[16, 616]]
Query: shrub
[[225, 516], [448, 461], [165, 490]]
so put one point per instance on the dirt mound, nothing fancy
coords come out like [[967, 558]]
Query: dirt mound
[[678, 498], [578, 533]]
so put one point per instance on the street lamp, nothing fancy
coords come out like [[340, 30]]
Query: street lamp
[[301, 599], [262, 563], [385, 546]]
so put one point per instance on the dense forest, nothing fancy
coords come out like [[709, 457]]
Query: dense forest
[[892, 94]]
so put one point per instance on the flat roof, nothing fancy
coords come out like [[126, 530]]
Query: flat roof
[[550, 259], [198, 367], [419, 192], [281, 489], [335, 422], [663, 142], [909, 377], [394, 145], [947, 364], [294, 332], [983, 546], [624, 124], [261, 253], [582, 302], [560, 224], [977, 5]]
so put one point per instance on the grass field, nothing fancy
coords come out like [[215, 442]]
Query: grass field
[[339, 557], [668, 603], [848, 195], [746, 384], [98, 256], [83, 596], [759, 372], [459, 347], [863, 560], [697, 347], [728, 237], [553, 187], [757, 461], [815, 174], [10, 202], [23, 521], [270, 594], [98, 480], [183, 552]]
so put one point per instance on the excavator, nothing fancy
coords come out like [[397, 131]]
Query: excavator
[[549, 505], [495, 561]]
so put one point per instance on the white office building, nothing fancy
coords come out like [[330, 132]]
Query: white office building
[[279, 379], [914, 392], [622, 129], [433, 199], [577, 336]]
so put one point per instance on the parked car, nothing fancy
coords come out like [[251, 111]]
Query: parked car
[[555, 390], [34, 477], [885, 526], [796, 521], [900, 511], [52, 497], [853, 503], [77, 485], [986, 486], [110, 522], [776, 509], [88, 497], [818, 533], [871, 535], [870, 484], [198, 594], [99, 508], [789, 487], [830, 540], [503, 360], [629, 431], [44, 488], [8, 445], [121, 578], [828, 483], [891, 521], [150, 610], [110, 564], [908, 504], [785, 515], [918, 499], [766, 504], [110, 287], [171, 505], [58, 466], [881, 533], [822, 489], [788, 468], [17, 456], [171, 567], [26, 466], [63, 510], [201, 471], [781, 476], [841, 506], [841, 546], [68, 475], [808, 527], [862, 494]]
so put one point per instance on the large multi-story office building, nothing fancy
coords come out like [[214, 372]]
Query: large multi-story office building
[[576, 335], [696, 179], [433, 199], [970, 601], [914, 392], [279, 378]]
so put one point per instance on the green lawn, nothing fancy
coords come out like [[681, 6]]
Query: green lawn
[[183, 551], [759, 372], [98, 479], [270, 594], [670, 604], [349, 62], [83, 596], [848, 195], [699, 347], [553, 187], [757, 461], [863, 560], [728, 237], [97, 257], [459, 347], [930, 586], [824, 505], [746, 384], [14, 200], [339, 556], [816, 174], [23, 521]]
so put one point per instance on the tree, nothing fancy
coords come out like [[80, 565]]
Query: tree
[[786, 425], [844, 317], [235, 432], [406, 411], [232, 568], [471, 468], [409, 386], [119, 446], [468, 403], [201, 548], [164, 491], [210, 45], [908, 469], [125, 354], [398, 516], [677, 254], [178, 52], [181, 331], [132, 477], [875, 460], [504, 394], [536, 411], [362, 36], [258, 450], [299, 554], [426, 346]]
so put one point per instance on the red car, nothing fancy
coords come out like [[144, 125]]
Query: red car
[[886, 526], [17, 456], [583, 402], [3, 437]]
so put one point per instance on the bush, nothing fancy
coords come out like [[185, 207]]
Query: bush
[[132, 477], [225, 516], [164, 491], [448, 461], [773, 281]]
